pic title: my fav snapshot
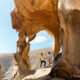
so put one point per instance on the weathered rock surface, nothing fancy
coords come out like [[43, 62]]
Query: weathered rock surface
[[69, 15], [32, 16]]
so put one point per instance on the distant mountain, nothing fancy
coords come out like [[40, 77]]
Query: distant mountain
[[6, 61], [38, 51]]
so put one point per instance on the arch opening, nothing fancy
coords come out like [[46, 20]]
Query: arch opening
[[42, 43]]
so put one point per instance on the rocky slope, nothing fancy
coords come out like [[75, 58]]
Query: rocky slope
[[7, 64], [9, 67]]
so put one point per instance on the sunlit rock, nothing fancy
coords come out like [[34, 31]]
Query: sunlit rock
[[61, 20], [30, 17]]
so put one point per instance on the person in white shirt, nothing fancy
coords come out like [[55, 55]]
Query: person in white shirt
[[49, 58]]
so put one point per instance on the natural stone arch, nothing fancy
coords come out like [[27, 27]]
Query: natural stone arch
[[24, 57], [44, 13], [44, 18], [28, 18]]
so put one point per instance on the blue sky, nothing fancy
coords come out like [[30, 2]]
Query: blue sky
[[9, 36], [42, 40]]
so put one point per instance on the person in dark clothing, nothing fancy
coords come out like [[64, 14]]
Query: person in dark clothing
[[42, 60]]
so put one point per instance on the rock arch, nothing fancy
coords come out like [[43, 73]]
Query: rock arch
[[30, 17]]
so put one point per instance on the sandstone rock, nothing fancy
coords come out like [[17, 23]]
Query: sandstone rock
[[42, 15], [69, 15], [32, 16]]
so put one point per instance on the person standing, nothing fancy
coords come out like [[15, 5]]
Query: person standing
[[49, 58], [42, 60]]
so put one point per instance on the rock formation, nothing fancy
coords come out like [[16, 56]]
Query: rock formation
[[32, 16], [69, 15]]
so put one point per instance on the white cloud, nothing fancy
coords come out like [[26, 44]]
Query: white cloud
[[39, 39]]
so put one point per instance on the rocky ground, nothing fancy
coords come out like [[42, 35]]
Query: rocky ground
[[9, 69], [39, 73]]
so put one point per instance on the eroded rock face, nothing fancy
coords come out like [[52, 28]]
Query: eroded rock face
[[69, 15], [68, 66], [30, 17]]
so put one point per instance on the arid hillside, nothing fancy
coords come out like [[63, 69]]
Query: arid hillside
[[7, 61], [35, 57]]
